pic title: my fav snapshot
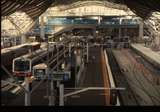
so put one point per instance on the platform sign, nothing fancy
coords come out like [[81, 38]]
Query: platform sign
[[61, 76]]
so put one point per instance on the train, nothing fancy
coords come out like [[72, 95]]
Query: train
[[8, 54]]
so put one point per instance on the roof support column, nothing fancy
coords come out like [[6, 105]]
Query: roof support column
[[42, 33], [119, 34], [23, 39], [94, 32], [119, 28], [14, 41], [140, 31], [99, 20]]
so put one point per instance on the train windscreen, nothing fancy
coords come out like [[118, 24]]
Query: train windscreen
[[22, 66]]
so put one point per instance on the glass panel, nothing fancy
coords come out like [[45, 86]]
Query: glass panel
[[22, 66]]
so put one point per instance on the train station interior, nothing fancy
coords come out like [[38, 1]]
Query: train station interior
[[80, 52]]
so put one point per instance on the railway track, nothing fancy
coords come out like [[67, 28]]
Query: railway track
[[126, 97], [136, 75], [152, 73], [145, 75], [5, 86]]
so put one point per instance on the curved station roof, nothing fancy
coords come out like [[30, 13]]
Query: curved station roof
[[24, 13], [35, 8]]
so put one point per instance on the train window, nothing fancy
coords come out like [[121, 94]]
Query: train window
[[22, 65], [39, 72]]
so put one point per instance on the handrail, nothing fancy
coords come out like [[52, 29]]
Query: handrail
[[89, 88]]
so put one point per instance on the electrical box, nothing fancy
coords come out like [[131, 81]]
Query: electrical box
[[39, 71], [22, 67]]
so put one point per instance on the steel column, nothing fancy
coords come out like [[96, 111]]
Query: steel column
[[61, 98], [27, 94]]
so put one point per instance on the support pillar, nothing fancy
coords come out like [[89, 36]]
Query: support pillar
[[69, 50], [57, 57], [140, 31], [99, 20], [27, 94], [119, 34], [58, 83], [119, 29], [78, 58], [51, 98], [23, 39], [94, 32], [64, 52], [87, 53], [14, 41], [42, 32], [61, 97]]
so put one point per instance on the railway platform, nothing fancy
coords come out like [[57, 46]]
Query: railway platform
[[95, 75], [151, 56]]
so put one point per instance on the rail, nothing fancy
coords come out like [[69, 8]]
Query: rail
[[137, 80]]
